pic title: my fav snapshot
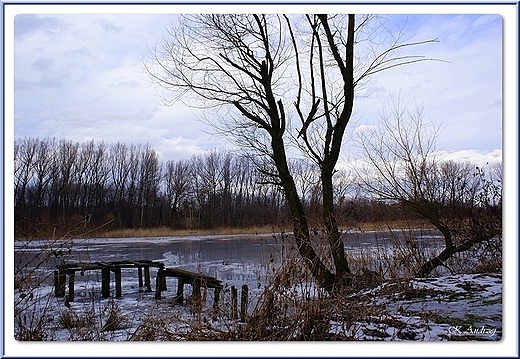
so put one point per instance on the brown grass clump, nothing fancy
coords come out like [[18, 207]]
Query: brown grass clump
[[395, 224], [293, 308]]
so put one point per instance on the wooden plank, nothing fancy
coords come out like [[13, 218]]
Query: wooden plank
[[208, 281]]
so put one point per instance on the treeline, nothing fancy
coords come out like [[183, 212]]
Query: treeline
[[60, 184]]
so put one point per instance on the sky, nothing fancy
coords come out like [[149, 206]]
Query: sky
[[79, 77]]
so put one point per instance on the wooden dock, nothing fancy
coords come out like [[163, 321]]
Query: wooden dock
[[196, 280], [70, 269]]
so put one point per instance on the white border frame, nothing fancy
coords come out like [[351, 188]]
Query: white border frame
[[508, 346]]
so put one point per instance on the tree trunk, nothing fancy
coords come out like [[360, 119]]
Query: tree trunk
[[324, 277], [433, 263], [447, 253], [331, 227]]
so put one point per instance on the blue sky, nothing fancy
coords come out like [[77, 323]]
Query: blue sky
[[78, 76]]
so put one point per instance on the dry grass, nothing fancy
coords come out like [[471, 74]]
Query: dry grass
[[169, 232], [397, 224], [268, 229]]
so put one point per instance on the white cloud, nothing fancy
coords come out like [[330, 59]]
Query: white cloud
[[479, 158], [83, 72]]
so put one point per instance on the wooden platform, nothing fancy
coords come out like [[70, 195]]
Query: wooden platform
[[196, 280], [70, 269]]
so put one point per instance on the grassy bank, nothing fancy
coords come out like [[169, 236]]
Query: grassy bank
[[169, 232], [100, 232], [398, 224]]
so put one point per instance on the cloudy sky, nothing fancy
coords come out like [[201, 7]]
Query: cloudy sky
[[78, 76]]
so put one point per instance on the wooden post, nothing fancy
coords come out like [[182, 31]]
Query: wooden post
[[117, 271], [196, 303], [217, 296], [163, 281], [140, 274], [158, 283], [196, 289], [105, 282], [234, 304], [59, 282], [243, 302], [72, 275], [180, 290], [147, 279]]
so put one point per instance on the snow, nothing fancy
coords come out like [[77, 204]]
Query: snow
[[433, 309], [456, 307]]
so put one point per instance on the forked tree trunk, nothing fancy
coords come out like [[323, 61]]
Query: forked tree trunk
[[323, 276], [331, 228]]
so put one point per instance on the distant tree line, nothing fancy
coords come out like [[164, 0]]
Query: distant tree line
[[60, 184]]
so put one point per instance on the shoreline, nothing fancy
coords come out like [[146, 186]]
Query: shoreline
[[163, 232]]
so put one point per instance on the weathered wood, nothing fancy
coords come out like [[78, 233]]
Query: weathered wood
[[105, 267], [158, 286], [117, 272], [196, 303], [59, 282], [243, 302], [190, 277], [216, 296], [179, 299], [196, 280], [140, 274], [72, 276], [147, 279], [234, 302], [105, 282], [163, 283]]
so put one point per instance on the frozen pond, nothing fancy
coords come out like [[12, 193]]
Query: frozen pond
[[231, 258]]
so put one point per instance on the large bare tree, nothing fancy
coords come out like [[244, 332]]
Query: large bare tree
[[278, 82]]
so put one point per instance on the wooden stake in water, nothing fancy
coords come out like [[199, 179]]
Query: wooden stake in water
[[243, 302], [234, 302]]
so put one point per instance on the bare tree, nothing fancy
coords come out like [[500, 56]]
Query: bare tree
[[177, 184], [43, 176], [148, 184], [461, 200], [24, 160], [250, 68]]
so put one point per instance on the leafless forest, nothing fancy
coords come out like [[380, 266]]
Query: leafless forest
[[62, 186]]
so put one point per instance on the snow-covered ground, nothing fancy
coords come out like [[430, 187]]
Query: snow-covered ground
[[458, 307]]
